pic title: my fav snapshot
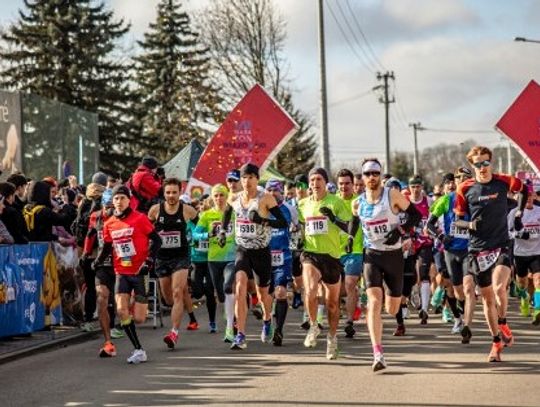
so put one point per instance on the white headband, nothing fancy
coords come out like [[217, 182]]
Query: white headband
[[370, 166]]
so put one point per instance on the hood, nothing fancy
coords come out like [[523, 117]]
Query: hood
[[39, 193]]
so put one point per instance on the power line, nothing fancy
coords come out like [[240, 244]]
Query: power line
[[347, 39], [458, 131], [350, 98]]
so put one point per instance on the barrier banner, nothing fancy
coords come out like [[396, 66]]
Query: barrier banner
[[254, 131], [71, 284], [521, 124]]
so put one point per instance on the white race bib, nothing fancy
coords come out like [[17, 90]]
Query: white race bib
[[317, 225], [487, 258], [246, 229], [124, 248], [170, 240], [533, 229], [203, 246], [459, 233], [377, 229], [277, 258]]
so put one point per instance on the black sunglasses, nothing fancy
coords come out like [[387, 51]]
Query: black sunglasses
[[480, 164], [372, 174]]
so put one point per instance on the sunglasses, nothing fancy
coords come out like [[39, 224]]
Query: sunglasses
[[232, 180], [480, 164], [372, 174]]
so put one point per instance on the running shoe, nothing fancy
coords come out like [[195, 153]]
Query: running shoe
[[466, 335], [496, 350], [108, 350], [267, 332], [137, 356], [212, 327], [349, 330], [311, 337], [88, 327], [332, 350], [525, 307], [400, 331], [229, 335], [437, 297], [171, 339], [506, 335], [423, 315], [277, 340], [378, 362], [239, 342], [357, 313], [297, 301], [447, 316], [305, 325], [536, 317], [458, 326], [117, 333], [193, 326]]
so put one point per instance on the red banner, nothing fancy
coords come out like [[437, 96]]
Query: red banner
[[254, 131], [521, 123]]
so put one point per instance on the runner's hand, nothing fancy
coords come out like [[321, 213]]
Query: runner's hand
[[518, 224], [349, 246], [446, 240], [146, 267], [328, 213], [523, 235], [222, 239], [254, 216], [392, 237]]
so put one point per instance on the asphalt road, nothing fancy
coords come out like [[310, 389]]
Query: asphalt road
[[428, 367]]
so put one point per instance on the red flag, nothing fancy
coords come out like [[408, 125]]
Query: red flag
[[521, 123], [254, 131]]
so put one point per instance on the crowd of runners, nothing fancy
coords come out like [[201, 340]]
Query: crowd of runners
[[331, 249]]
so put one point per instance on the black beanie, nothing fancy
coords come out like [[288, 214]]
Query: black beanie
[[150, 162], [319, 170], [121, 189], [249, 169]]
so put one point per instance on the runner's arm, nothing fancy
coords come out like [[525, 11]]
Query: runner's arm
[[227, 217], [432, 226], [155, 243]]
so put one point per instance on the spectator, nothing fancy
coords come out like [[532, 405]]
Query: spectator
[[145, 185], [5, 237], [90, 203], [69, 209], [11, 217], [20, 182]]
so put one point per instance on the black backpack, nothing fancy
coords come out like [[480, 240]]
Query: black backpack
[[79, 227]]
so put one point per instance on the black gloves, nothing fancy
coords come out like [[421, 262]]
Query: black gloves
[[392, 237], [328, 213], [523, 235], [221, 239], [518, 224]]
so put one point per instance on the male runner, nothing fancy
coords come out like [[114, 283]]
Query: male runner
[[173, 258]]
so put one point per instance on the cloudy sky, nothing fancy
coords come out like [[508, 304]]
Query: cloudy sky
[[455, 63]]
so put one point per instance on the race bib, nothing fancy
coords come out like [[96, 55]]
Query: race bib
[[317, 225], [487, 258], [124, 248], [377, 229], [170, 240], [533, 230], [202, 246], [459, 233], [246, 229], [277, 258]]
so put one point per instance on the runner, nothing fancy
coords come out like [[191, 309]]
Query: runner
[[173, 258], [220, 259], [297, 242], [484, 200], [253, 230], [324, 216], [378, 208], [135, 244], [352, 261], [281, 258]]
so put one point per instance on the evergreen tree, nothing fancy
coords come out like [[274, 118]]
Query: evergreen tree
[[175, 97], [63, 50]]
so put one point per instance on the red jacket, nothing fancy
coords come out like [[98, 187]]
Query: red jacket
[[143, 184]]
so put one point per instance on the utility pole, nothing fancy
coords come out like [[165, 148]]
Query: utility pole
[[325, 150], [416, 127], [509, 153], [385, 99]]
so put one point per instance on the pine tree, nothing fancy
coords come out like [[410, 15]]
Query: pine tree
[[63, 50], [174, 92]]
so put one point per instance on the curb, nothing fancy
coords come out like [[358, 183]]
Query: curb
[[53, 343]]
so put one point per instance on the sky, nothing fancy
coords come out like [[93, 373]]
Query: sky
[[455, 63]]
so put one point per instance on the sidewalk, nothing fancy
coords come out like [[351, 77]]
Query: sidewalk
[[18, 346]]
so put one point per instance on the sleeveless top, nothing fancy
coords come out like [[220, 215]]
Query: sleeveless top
[[250, 235], [377, 220], [173, 232]]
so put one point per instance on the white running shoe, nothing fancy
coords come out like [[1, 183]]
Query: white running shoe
[[311, 337], [137, 356], [458, 326], [378, 362], [331, 347]]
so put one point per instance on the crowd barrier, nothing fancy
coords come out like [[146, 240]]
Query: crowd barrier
[[30, 296]]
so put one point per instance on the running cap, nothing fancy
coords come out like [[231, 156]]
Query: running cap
[[150, 162], [220, 189], [393, 182], [249, 169], [331, 187], [301, 181], [319, 170], [274, 184], [121, 189], [100, 178], [233, 175], [463, 172], [370, 166]]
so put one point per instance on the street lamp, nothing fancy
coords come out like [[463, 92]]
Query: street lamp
[[523, 39]]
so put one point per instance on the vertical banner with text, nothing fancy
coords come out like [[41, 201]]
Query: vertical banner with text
[[10, 133]]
